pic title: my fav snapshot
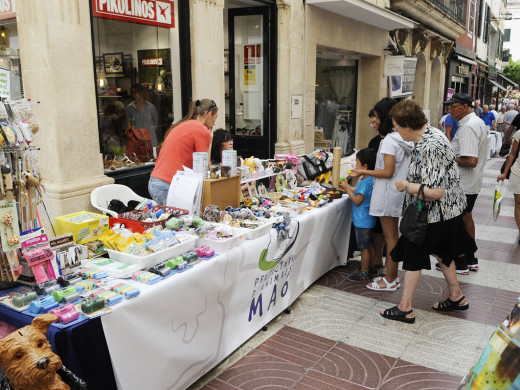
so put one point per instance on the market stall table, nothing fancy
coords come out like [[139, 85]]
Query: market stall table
[[185, 325], [181, 327]]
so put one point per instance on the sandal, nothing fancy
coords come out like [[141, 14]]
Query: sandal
[[449, 305], [396, 314], [388, 286]]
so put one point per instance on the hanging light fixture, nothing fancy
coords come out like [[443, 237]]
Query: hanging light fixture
[[159, 83], [4, 38], [101, 80]]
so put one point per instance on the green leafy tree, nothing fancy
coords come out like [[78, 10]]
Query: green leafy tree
[[512, 71]]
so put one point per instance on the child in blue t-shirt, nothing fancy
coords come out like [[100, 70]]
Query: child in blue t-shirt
[[363, 221]]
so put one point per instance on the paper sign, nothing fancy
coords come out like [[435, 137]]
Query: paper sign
[[5, 84]]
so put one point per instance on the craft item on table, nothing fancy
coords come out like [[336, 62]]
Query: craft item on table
[[204, 251], [211, 213], [177, 263], [214, 171], [290, 177], [174, 223], [70, 279], [250, 163], [43, 305], [160, 269], [127, 290], [225, 171], [92, 305], [282, 225], [85, 285], [281, 183], [146, 277], [84, 226], [46, 288], [111, 298], [60, 294], [66, 313], [23, 299], [9, 228], [39, 258], [28, 362], [93, 273]]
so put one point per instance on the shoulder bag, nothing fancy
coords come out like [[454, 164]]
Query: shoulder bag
[[312, 165], [139, 141], [414, 223]]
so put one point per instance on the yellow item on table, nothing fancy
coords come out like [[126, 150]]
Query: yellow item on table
[[84, 226]]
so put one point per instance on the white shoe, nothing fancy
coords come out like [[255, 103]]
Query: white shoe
[[388, 286]]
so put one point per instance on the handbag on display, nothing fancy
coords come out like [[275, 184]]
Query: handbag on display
[[139, 141], [312, 165], [414, 223]]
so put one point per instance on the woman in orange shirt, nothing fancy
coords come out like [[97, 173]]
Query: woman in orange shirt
[[191, 134]]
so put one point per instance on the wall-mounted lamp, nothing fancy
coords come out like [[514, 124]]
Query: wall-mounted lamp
[[392, 49]]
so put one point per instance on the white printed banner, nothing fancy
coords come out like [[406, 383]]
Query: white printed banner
[[180, 328]]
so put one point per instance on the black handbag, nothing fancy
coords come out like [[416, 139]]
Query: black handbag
[[414, 223]]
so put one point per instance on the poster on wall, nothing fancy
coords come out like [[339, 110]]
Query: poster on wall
[[449, 93], [113, 64], [252, 63], [402, 85]]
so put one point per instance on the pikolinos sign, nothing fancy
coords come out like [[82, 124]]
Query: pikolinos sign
[[153, 12], [7, 9]]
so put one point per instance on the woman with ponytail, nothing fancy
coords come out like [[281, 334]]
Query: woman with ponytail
[[191, 134]]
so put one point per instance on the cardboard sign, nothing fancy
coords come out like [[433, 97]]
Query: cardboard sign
[[153, 12]]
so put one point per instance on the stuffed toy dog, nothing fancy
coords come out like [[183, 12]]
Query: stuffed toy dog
[[28, 362]]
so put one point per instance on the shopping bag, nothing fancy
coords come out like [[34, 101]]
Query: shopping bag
[[312, 165], [499, 196], [415, 220]]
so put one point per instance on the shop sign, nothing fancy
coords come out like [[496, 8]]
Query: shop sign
[[153, 12], [394, 66], [449, 93], [152, 62], [7, 9], [462, 70]]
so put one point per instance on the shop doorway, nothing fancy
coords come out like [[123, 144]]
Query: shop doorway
[[250, 90], [335, 103]]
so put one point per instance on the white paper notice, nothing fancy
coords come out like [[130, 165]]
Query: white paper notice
[[185, 192]]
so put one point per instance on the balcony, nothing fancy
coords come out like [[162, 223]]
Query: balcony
[[447, 17]]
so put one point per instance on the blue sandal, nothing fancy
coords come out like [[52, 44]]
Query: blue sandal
[[396, 314]]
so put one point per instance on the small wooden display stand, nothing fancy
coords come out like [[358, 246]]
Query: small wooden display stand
[[222, 192]]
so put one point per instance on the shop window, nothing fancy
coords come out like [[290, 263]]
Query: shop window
[[335, 103], [137, 75], [11, 85]]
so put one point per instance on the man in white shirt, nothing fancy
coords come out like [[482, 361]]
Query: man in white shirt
[[510, 114], [469, 145]]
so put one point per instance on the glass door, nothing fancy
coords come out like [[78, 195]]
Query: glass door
[[249, 81]]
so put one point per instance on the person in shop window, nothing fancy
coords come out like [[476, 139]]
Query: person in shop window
[[141, 113], [193, 133]]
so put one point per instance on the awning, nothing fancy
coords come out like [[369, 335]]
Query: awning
[[364, 12], [496, 84], [509, 81], [464, 59]]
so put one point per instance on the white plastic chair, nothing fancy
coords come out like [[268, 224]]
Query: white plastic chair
[[100, 197]]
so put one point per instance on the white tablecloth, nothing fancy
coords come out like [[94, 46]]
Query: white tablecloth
[[180, 328]]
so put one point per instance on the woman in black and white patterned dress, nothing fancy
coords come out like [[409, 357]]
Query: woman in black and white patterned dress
[[432, 164]]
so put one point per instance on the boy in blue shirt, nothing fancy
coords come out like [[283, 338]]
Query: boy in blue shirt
[[363, 221]]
